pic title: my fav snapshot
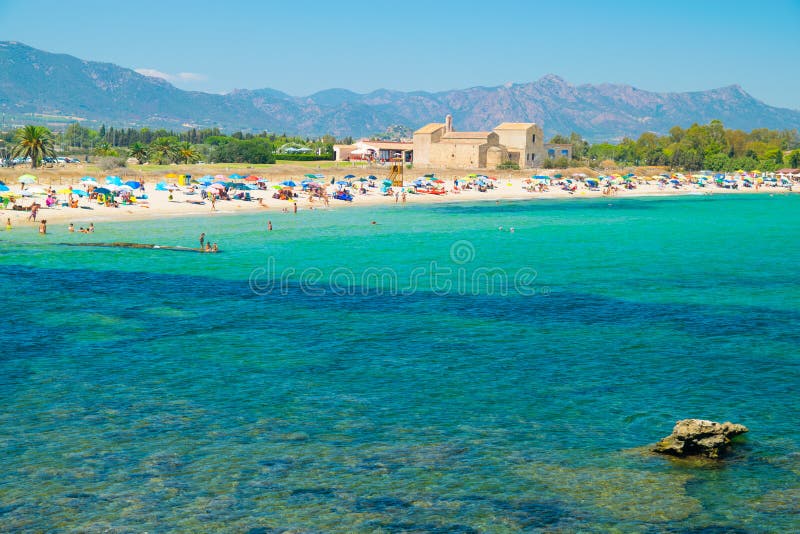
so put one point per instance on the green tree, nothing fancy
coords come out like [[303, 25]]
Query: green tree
[[186, 153], [35, 142], [794, 159], [138, 151], [162, 150], [104, 148]]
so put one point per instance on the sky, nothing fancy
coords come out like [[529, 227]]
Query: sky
[[433, 45]]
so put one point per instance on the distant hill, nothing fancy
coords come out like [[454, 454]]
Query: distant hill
[[60, 86]]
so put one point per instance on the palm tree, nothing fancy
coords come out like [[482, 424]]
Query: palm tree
[[186, 153], [138, 151], [162, 149], [35, 142]]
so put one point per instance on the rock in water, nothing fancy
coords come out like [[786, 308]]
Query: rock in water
[[698, 437]]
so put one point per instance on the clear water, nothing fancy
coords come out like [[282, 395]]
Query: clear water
[[392, 383]]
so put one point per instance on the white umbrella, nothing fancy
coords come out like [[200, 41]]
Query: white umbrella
[[27, 179], [90, 183]]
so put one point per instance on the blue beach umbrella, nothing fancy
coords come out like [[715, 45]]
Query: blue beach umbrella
[[80, 192], [88, 179], [133, 184], [113, 180], [289, 183], [349, 176], [235, 176], [342, 182], [4, 187], [102, 191]]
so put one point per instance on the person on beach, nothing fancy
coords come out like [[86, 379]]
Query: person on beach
[[43, 227], [295, 206], [8, 223], [214, 248], [71, 227], [269, 226], [202, 239], [404, 197], [91, 228], [213, 202], [34, 211], [208, 247]]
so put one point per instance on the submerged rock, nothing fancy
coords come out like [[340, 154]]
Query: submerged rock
[[698, 437]]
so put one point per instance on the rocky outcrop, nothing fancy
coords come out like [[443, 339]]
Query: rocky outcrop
[[698, 437]]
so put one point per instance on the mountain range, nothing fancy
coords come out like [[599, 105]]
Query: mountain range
[[60, 88]]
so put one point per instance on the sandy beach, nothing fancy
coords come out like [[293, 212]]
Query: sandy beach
[[507, 186]]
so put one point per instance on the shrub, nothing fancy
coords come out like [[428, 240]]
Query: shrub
[[508, 165], [107, 163]]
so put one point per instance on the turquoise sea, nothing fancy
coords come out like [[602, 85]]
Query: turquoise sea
[[428, 373]]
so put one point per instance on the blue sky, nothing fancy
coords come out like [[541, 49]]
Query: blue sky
[[303, 47]]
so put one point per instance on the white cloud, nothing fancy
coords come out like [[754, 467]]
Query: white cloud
[[179, 77]]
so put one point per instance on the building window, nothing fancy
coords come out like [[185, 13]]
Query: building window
[[533, 138]]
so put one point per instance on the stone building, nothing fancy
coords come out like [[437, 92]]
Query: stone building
[[558, 150], [439, 145]]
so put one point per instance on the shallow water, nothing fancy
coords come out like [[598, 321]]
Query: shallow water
[[429, 373]]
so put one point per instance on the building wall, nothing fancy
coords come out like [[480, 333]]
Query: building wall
[[455, 155], [554, 150], [527, 142], [423, 142]]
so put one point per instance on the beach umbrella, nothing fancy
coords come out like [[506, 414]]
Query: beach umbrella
[[362, 179], [342, 182], [89, 183], [277, 187], [251, 178], [80, 192], [3, 187], [387, 182], [113, 180], [27, 179], [133, 184], [88, 179], [349, 176], [102, 191], [372, 177], [235, 176], [124, 187], [64, 191], [289, 183], [171, 175], [312, 176]]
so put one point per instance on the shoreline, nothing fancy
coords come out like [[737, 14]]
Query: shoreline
[[159, 206]]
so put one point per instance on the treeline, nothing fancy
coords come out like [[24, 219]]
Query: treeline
[[163, 146], [699, 147]]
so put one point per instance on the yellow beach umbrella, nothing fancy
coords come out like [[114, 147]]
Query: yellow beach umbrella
[[64, 191]]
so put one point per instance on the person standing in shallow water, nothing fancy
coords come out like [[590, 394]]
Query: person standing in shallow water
[[202, 239], [43, 227], [269, 226]]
